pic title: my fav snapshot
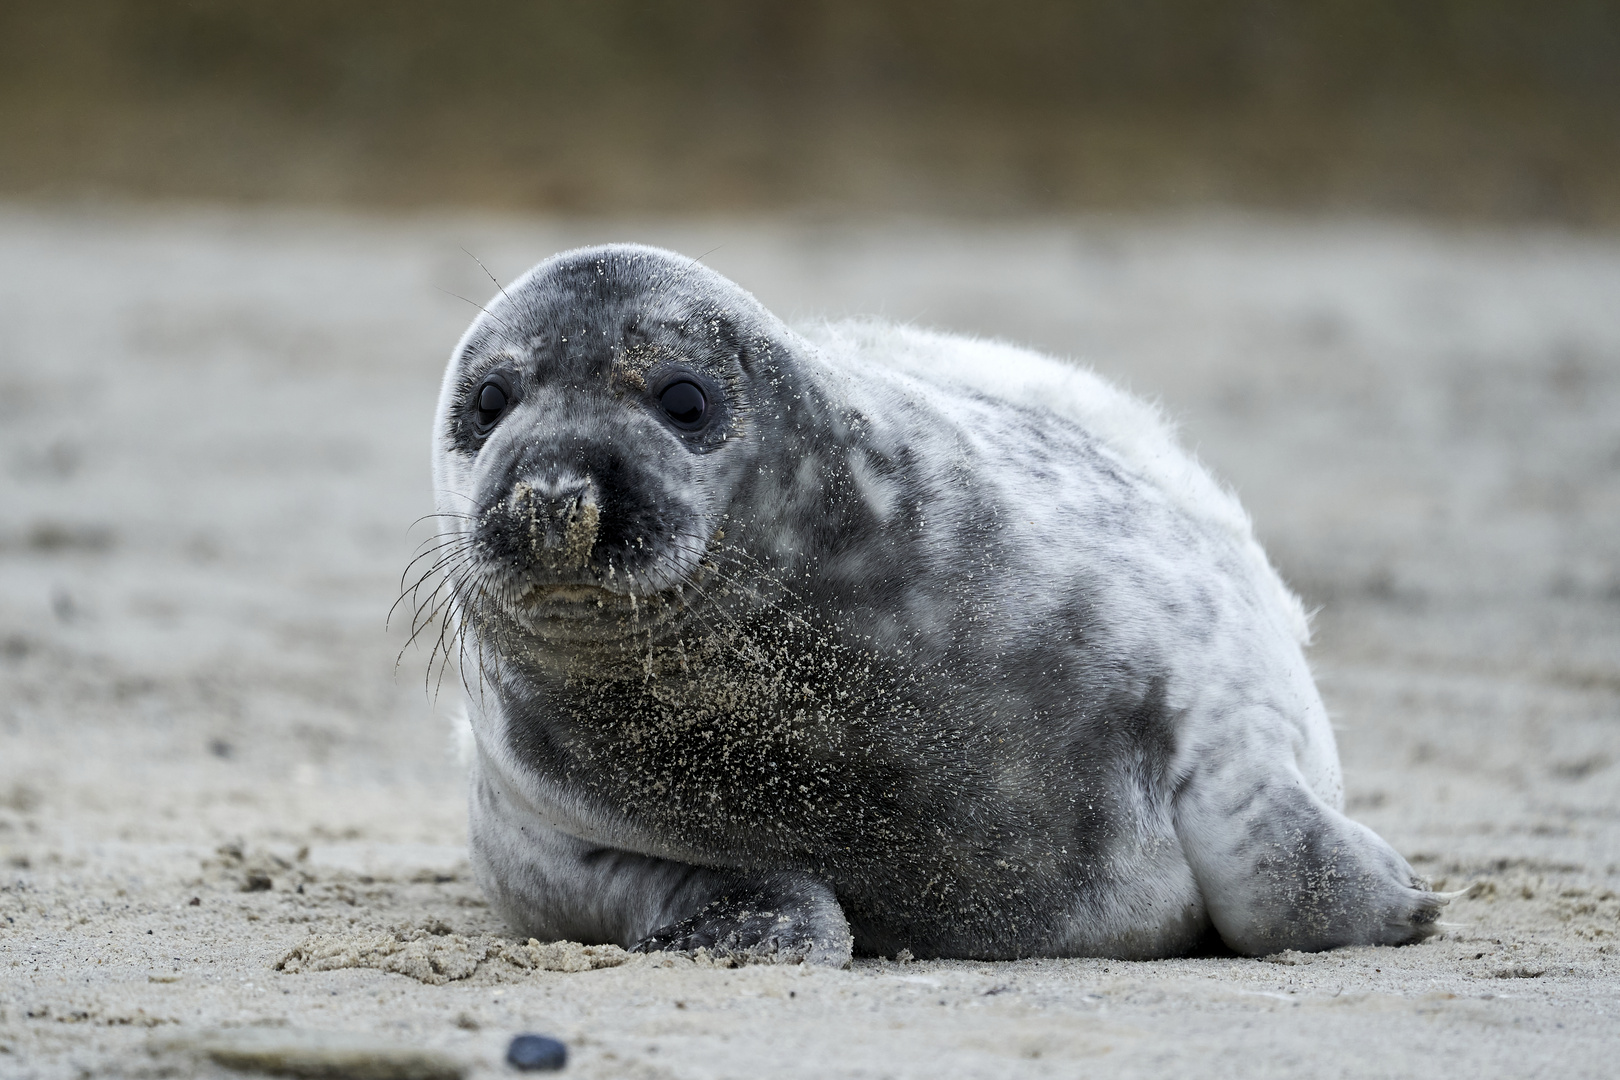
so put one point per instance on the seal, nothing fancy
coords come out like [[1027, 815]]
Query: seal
[[791, 644]]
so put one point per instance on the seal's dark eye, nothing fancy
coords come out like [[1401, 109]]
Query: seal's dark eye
[[493, 397], [685, 404]]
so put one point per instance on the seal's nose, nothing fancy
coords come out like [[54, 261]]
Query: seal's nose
[[549, 526]]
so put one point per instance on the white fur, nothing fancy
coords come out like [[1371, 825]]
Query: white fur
[[1134, 429]]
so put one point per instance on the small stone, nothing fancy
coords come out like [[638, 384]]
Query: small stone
[[536, 1053]]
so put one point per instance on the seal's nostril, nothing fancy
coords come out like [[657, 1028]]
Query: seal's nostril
[[556, 527]]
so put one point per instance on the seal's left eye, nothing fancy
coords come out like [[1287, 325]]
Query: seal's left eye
[[493, 397], [684, 403]]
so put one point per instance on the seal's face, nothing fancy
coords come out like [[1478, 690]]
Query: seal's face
[[590, 431]]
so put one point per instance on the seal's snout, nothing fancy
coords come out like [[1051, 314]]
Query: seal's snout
[[549, 527]]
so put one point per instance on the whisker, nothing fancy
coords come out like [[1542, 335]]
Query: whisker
[[420, 622], [458, 543], [739, 636], [749, 590], [455, 603], [438, 514], [460, 638], [456, 585], [433, 607], [487, 274], [427, 610], [439, 538], [678, 278], [415, 590], [480, 307], [448, 610]]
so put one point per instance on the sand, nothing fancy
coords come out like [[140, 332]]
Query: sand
[[224, 815]]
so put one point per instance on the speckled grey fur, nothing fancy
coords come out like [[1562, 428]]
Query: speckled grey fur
[[935, 636]]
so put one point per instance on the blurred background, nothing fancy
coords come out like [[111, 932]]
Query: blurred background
[[1474, 109]]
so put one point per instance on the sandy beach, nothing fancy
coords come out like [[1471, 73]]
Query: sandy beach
[[230, 807]]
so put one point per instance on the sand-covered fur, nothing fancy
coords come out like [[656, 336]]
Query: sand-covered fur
[[935, 635]]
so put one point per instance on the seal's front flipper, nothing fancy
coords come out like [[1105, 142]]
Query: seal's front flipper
[[1280, 869], [782, 919]]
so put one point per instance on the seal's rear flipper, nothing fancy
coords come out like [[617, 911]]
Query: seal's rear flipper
[[1280, 869]]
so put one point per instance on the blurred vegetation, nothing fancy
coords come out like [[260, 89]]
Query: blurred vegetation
[[1476, 108]]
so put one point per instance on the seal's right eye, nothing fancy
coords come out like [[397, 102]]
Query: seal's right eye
[[685, 403], [493, 396]]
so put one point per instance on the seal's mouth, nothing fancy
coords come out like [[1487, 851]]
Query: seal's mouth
[[558, 595], [572, 607], [573, 614]]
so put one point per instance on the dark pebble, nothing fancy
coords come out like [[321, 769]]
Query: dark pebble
[[536, 1053]]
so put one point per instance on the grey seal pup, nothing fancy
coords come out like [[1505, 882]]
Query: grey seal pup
[[788, 644]]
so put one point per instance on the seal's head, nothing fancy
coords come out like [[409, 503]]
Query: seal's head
[[591, 428]]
